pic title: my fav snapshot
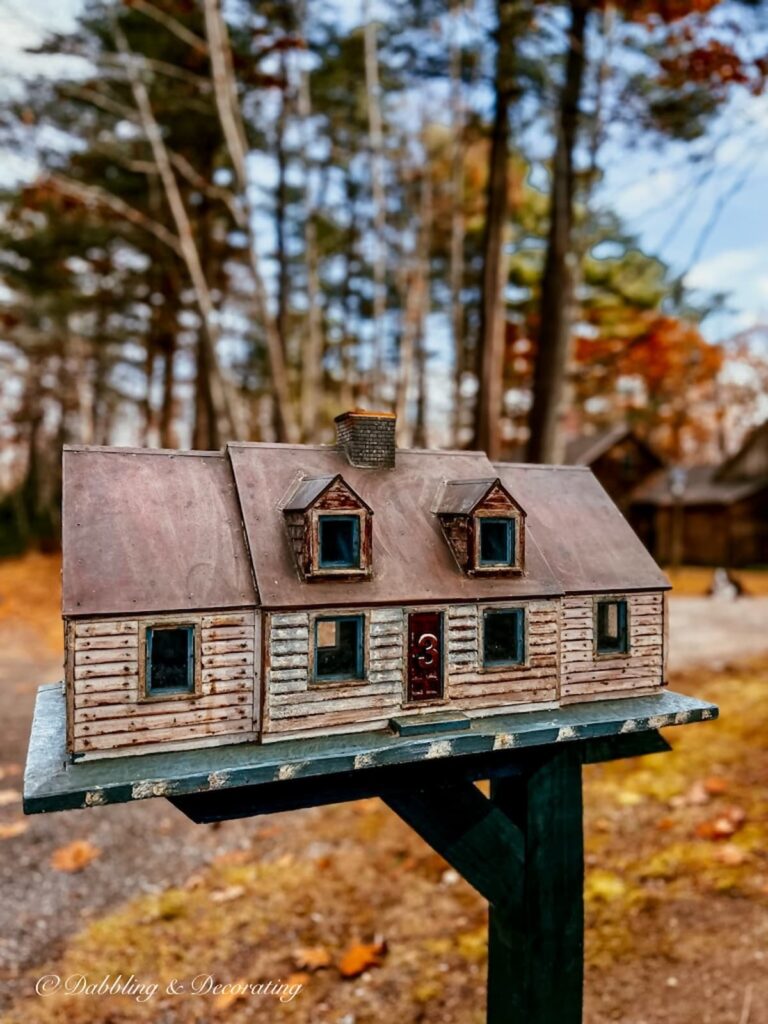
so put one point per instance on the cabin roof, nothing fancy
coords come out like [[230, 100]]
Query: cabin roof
[[159, 531], [461, 497], [412, 563], [151, 531], [703, 486], [589, 545]]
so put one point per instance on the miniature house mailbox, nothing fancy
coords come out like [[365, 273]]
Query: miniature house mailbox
[[276, 626]]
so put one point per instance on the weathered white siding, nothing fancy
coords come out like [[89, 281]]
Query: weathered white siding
[[472, 687], [106, 713], [295, 704], [587, 676]]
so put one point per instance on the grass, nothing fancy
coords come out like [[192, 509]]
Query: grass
[[347, 874]]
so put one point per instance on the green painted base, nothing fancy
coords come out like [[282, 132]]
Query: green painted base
[[603, 729]]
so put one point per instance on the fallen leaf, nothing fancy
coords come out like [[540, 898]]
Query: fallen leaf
[[724, 825], [604, 885], [9, 796], [312, 958], [731, 855], [234, 993], [232, 892], [628, 798], [715, 785], [697, 795], [74, 856], [360, 957], [15, 828], [299, 978], [665, 824]]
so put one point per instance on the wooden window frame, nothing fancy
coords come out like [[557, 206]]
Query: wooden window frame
[[356, 535], [494, 666], [313, 680], [317, 571], [170, 622], [496, 568], [620, 599]]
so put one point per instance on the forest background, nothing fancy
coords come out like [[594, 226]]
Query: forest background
[[235, 221]]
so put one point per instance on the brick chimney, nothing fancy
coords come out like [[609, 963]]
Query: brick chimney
[[367, 438]]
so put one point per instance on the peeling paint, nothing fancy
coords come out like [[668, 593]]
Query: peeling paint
[[364, 760], [289, 771], [95, 797], [440, 748], [218, 779], [143, 790], [657, 721], [503, 741], [631, 725], [568, 732]]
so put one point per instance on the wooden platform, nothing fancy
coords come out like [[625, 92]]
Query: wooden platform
[[296, 773]]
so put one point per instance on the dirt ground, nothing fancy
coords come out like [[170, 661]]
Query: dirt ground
[[348, 903]]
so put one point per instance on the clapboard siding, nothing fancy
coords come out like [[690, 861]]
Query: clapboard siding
[[109, 714], [472, 687], [585, 675], [294, 703]]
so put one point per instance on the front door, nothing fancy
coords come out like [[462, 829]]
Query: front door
[[425, 656]]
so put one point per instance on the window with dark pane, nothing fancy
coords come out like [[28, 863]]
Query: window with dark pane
[[504, 636], [339, 647], [612, 633], [339, 539], [497, 541], [170, 659]]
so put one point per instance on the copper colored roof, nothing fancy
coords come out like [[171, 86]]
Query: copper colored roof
[[461, 497], [149, 531], [588, 543], [412, 562]]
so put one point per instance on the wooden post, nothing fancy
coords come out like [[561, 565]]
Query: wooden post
[[535, 959]]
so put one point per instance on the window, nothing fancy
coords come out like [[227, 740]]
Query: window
[[504, 636], [339, 539], [497, 541], [339, 647], [170, 664], [612, 632]]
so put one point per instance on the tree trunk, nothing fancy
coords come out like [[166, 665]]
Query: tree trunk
[[545, 443], [513, 16], [376, 145], [313, 345], [416, 290], [458, 227]]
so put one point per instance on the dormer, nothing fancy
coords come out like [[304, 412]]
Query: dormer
[[484, 527], [330, 529]]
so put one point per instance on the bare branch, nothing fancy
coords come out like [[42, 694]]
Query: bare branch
[[222, 400], [96, 196], [172, 24], [230, 117]]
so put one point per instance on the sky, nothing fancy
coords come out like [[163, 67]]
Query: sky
[[709, 221]]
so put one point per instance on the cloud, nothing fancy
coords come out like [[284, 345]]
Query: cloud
[[727, 269]]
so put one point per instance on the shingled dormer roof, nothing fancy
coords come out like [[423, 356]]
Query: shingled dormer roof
[[461, 497], [310, 489]]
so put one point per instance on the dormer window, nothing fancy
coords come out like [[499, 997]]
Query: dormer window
[[496, 541], [330, 529], [484, 527], [339, 542]]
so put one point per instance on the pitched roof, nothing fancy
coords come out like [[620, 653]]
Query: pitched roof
[[412, 562], [308, 489], [148, 531], [588, 543], [585, 449], [151, 531], [751, 460], [461, 497], [702, 487]]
